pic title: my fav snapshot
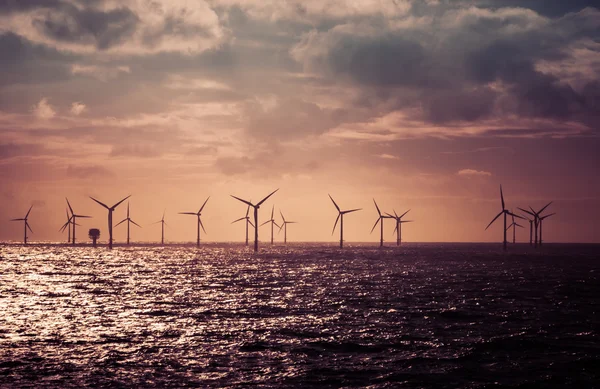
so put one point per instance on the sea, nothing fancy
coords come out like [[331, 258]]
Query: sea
[[300, 316]]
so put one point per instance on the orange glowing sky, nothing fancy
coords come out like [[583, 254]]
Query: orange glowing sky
[[422, 105]]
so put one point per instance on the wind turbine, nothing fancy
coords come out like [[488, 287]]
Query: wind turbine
[[514, 225], [503, 212], [198, 214], [247, 218], [541, 220], [128, 220], [66, 226], [272, 221], [536, 219], [74, 219], [284, 226], [110, 212], [398, 229], [163, 223], [341, 216], [25, 225], [256, 207], [379, 220]]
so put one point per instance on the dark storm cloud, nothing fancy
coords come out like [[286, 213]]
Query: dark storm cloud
[[9, 6], [103, 29], [551, 8], [447, 71], [25, 62]]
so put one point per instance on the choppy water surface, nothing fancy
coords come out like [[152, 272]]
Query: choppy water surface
[[416, 316]]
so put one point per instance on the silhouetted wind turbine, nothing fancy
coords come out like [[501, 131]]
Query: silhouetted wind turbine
[[198, 214], [74, 219], [128, 220], [272, 221], [536, 218], [256, 207], [514, 225], [541, 220], [341, 216], [247, 218], [25, 225], [379, 220], [503, 212], [67, 226], [110, 212], [398, 229], [284, 226], [163, 223]]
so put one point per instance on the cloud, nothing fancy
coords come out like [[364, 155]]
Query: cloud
[[43, 109], [78, 108], [388, 156], [100, 72], [473, 173], [131, 27], [88, 171], [141, 151]]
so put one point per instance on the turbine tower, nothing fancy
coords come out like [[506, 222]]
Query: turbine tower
[[110, 212], [198, 214], [74, 219], [25, 225], [340, 217], [272, 221], [514, 226], [247, 218], [536, 218], [256, 207], [503, 212], [284, 226], [128, 220], [379, 220], [398, 229], [163, 223]]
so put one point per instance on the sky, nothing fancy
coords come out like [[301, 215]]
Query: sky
[[424, 105]]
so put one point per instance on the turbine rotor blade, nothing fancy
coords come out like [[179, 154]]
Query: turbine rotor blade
[[378, 211], [202, 207], [27, 224], [69, 204], [28, 212], [237, 220], [83, 216], [268, 221], [281, 213], [117, 204], [124, 220], [188, 213], [99, 202], [517, 216], [546, 206], [135, 223], [265, 199], [251, 223], [336, 206], [494, 220], [352, 210], [202, 225], [526, 211], [247, 210], [502, 197], [17, 220], [243, 201], [404, 214], [546, 216], [375, 225], [272, 212], [336, 221]]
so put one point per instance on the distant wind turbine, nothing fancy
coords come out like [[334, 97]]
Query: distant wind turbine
[[25, 225], [541, 220], [272, 221], [398, 229], [536, 218], [198, 214], [284, 226], [514, 226], [110, 222], [247, 219], [67, 226], [340, 217], [380, 221], [163, 223], [503, 212], [256, 207], [74, 219], [128, 220]]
